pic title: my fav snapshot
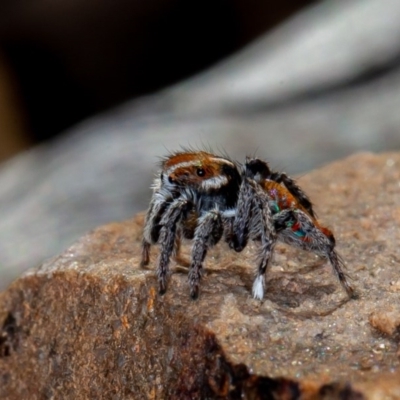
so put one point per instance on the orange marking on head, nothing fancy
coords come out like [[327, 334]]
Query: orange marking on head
[[193, 168]]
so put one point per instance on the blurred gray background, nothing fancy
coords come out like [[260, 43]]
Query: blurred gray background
[[299, 86]]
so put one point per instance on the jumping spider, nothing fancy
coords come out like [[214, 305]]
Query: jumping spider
[[205, 197]]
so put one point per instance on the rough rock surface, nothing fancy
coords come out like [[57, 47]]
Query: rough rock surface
[[90, 324]]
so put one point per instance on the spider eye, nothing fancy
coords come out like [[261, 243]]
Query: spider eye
[[200, 172]]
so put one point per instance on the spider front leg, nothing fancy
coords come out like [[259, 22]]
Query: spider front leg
[[208, 233], [152, 225], [239, 236], [167, 238]]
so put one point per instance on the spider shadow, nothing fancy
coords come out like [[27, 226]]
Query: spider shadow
[[289, 290], [292, 292]]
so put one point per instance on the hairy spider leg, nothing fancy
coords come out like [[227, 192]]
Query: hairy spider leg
[[306, 233], [240, 228], [260, 171], [262, 224], [300, 229], [208, 233], [145, 253], [167, 238], [254, 220], [337, 264], [152, 227]]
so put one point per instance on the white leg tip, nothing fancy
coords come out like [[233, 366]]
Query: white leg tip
[[258, 287]]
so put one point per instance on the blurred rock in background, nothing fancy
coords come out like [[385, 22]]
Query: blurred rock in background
[[76, 58], [299, 88]]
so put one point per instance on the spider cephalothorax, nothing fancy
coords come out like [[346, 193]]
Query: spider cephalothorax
[[190, 197], [204, 197]]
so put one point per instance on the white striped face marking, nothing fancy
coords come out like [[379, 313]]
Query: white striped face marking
[[215, 182], [218, 160]]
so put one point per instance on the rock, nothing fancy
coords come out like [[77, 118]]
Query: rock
[[90, 324], [386, 321]]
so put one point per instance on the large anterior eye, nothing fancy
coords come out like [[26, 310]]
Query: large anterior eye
[[200, 172]]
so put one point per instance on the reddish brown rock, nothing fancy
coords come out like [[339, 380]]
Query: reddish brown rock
[[90, 324]]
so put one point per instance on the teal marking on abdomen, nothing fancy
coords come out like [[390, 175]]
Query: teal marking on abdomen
[[299, 233], [289, 224], [276, 206]]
